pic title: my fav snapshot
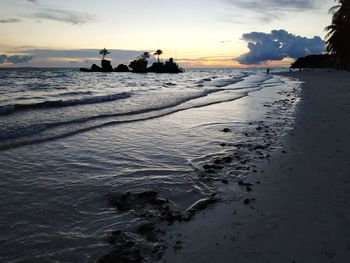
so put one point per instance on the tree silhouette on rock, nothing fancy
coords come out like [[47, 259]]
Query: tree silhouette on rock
[[139, 65], [104, 52], [158, 53], [338, 36], [145, 55]]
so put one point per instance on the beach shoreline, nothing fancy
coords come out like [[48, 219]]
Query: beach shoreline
[[222, 173], [300, 210]]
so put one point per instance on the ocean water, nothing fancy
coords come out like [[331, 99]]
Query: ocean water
[[38, 105], [68, 138]]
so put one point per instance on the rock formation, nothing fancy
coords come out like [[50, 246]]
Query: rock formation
[[122, 68], [139, 65]]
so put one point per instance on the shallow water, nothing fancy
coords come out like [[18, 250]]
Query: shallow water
[[79, 136]]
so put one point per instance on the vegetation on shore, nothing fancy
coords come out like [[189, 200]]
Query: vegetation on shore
[[338, 36], [315, 61], [337, 42]]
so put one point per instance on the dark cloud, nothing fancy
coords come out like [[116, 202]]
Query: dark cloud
[[16, 59], [270, 9], [274, 5], [69, 17], [33, 1], [277, 45], [9, 20]]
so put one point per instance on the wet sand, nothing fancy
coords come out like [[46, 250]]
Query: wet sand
[[298, 209]]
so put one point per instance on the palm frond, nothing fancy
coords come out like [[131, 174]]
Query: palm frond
[[334, 9]]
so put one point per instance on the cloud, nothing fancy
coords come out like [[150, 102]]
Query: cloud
[[69, 17], [275, 5], [16, 59], [9, 20], [33, 1], [277, 45], [270, 9]]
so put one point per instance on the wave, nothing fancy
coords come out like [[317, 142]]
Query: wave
[[27, 130], [73, 93], [55, 130], [227, 82], [21, 131], [219, 83], [88, 124], [8, 109]]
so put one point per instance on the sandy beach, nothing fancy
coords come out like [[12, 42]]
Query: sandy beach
[[299, 208]]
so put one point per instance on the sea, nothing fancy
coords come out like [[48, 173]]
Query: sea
[[68, 138]]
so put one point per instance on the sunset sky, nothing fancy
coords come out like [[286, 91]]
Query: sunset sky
[[197, 33]]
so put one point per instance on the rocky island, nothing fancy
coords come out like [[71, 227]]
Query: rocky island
[[139, 65]]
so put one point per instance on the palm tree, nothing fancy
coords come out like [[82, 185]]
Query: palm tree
[[104, 52], [338, 37], [158, 53]]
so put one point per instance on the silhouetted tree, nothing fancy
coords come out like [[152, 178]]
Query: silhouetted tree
[[158, 53], [145, 55], [104, 52], [139, 65], [338, 36]]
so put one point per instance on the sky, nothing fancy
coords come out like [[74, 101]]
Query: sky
[[196, 33]]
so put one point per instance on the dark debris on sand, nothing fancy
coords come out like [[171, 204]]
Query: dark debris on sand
[[146, 205], [124, 249]]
